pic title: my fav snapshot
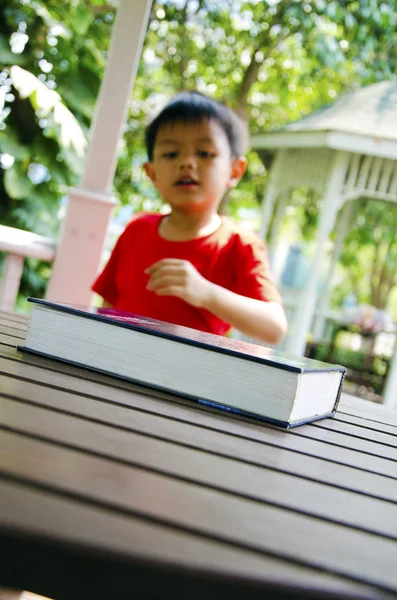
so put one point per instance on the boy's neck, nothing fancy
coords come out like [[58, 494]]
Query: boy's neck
[[177, 227]]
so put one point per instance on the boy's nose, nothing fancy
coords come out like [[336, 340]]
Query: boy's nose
[[187, 160]]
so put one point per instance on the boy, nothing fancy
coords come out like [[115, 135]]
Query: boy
[[193, 267]]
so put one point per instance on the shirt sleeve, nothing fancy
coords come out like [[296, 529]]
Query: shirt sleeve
[[254, 277]]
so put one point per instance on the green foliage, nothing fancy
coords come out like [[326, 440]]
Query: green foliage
[[52, 57], [272, 61], [370, 254], [362, 369]]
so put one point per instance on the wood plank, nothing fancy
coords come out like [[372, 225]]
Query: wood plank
[[366, 423], [368, 444], [12, 316], [232, 425], [366, 557], [365, 446], [347, 400], [10, 340], [356, 418], [12, 331], [211, 441], [53, 365], [211, 470], [351, 429], [14, 323], [372, 415], [120, 548]]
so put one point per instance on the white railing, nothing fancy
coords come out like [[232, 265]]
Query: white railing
[[18, 244]]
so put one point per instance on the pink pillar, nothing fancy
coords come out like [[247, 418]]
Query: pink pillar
[[89, 205], [79, 253], [12, 273]]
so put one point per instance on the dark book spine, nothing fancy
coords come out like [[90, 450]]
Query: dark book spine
[[338, 397]]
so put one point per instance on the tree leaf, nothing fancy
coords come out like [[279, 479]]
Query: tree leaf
[[9, 144], [7, 57], [16, 182], [82, 20]]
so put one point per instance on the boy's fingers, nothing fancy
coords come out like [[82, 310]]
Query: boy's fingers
[[165, 262], [171, 290], [164, 280], [167, 271]]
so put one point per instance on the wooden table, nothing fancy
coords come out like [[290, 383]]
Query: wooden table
[[112, 491]]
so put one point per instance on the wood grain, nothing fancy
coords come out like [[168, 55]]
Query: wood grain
[[249, 429], [74, 549], [211, 470], [190, 507]]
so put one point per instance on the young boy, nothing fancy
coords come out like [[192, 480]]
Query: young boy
[[193, 267]]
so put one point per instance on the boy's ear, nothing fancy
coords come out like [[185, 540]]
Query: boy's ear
[[238, 168], [150, 171]]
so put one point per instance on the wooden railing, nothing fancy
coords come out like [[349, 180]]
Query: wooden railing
[[17, 245]]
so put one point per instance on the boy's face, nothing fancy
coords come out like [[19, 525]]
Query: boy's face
[[192, 166]]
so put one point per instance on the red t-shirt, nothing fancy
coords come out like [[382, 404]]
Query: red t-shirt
[[234, 259]]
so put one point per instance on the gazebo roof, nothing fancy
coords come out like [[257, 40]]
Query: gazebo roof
[[363, 121]]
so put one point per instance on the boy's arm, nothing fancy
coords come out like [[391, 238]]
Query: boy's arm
[[262, 320], [265, 321]]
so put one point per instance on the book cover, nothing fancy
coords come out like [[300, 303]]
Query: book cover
[[230, 394], [245, 350]]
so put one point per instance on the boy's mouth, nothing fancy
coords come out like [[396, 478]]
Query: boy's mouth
[[186, 181]]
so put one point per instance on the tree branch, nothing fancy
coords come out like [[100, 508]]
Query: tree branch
[[100, 10], [200, 5], [252, 71], [374, 279], [183, 46], [386, 277]]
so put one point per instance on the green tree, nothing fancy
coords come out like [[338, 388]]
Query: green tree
[[52, 57], [274, 61]]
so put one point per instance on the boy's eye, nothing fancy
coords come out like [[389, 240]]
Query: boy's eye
[[206, 154], [170, 154]]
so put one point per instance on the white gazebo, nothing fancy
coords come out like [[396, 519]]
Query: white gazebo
[[345, 151]]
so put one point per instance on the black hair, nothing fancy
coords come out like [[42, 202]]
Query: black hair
[[193, 107]]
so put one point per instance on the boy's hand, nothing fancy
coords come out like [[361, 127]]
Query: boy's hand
[[264, 321], [175, 277]]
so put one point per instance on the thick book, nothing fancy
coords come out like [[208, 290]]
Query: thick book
[[229, 374]]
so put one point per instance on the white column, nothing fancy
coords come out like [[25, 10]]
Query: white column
[[343, 225], [300, 326], [271, 195], [280, 207], [277, 251], [390, 392], [90, 204]]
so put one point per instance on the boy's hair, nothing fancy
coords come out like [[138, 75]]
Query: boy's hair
[[193, 107]]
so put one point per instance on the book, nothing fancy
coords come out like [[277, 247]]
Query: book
[[228, 374]]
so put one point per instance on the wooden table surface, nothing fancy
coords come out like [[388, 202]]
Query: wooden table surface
[[110, 490]]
